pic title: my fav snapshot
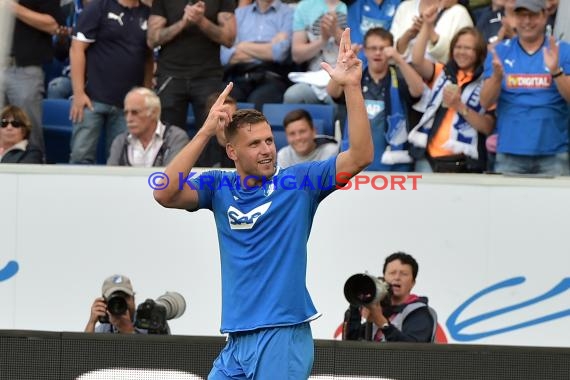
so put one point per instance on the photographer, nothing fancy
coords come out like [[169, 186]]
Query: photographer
[[114, 286], [401, 316]]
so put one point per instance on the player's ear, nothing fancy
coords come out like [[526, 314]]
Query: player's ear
[[231, 151]]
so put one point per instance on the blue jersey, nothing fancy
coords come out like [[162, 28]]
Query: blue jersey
[[368, 14], [532, 116], [263, 233]]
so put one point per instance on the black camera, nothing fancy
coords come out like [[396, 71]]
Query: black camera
[[153, 314], [116, 305], [363, 289]]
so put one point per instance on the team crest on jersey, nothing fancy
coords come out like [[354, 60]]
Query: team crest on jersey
[[245, 221], [529, 81]]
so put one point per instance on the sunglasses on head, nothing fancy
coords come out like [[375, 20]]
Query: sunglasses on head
[[15, 123]]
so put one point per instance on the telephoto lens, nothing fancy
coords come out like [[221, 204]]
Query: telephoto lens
[[362, 289]]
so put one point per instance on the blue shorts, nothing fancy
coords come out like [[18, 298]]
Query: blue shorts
[[276, 353]]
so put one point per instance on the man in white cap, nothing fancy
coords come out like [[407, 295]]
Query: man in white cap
[[526, 77], [115, 310]]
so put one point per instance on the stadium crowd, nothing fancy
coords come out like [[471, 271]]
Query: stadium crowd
[[449, 85]]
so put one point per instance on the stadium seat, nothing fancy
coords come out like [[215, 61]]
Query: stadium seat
[[280, 139], [57, 129], [244, 105], [323, 115], [190, 122]]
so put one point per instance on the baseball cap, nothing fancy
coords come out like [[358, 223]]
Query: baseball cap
[[534, 6], [116, 283]]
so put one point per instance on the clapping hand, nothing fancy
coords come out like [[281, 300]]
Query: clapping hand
[[194, 13], [498, 69], [551, 55]]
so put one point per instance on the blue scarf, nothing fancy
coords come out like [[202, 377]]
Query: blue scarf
[[397, 131], [463, 138]]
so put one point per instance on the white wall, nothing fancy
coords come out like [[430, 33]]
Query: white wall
[[70, 227]]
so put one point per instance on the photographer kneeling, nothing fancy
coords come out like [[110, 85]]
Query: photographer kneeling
[[116, 310], [396, 315]]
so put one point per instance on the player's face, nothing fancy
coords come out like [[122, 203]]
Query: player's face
[[400, 277], [530, 25], [301, 137], [253, 151], [374, 52], [465, 53]]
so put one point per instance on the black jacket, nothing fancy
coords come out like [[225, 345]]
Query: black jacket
[[32, 155]]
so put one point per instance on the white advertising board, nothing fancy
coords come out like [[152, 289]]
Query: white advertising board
[[493, 251]]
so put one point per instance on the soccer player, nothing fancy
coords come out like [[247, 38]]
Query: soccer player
[[263, 229]]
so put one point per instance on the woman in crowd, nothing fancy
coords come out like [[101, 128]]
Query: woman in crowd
[[449, 137], [14, 132]]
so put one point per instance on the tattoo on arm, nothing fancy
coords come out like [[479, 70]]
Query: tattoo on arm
[[168, 33], [160, 34]]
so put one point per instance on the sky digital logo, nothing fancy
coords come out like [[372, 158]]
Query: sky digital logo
[[9, 270]]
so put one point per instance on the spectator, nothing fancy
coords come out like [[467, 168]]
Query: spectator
[[216, 156], [15, 147], [36, 22], [562, 25], [188, 69], [317, 27], [389, 92], [59, 86], [450, 135], [256, 64], [304, 144], [148, 142], [551, 11], [366, 14], [405, 317], [526, 77], [490, 20], [450, 17], [108, 57]]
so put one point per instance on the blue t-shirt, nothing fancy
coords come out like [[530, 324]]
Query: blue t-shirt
[[532, 116], [262, 234], [307, 17], [368, 14]]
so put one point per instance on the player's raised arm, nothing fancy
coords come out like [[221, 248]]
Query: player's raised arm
[[184, 197], [348, 74]]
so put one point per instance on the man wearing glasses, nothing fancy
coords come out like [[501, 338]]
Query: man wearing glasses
[[389, 92], [147, 142]]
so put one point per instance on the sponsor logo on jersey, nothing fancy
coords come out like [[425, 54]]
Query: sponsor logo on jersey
[[245, 221], [529, 81]]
